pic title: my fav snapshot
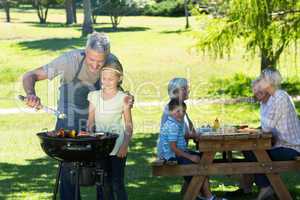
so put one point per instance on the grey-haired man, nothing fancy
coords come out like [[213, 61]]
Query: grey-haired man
[[80, 74]]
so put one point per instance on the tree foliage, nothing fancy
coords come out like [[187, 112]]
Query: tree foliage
[[114, 8], [265, 25]]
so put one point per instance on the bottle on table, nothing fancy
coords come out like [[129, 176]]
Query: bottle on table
[[216, 124]]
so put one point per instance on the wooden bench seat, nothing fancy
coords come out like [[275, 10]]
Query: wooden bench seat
[[159, 168], [160, 162]]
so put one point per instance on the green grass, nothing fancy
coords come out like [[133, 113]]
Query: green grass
[[152, 49], [27, 173]]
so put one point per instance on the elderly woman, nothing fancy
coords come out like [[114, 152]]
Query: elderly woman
[[279, 116], [178, 88]]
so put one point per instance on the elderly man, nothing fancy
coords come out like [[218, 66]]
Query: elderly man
[[279, 116], [80, 74], [247, 179]]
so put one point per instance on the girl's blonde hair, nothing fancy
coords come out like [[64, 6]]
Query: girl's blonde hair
[[116, 66]]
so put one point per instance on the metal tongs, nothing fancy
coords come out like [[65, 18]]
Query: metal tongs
[[47, 109]]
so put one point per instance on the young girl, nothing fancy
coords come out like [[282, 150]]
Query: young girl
[[106, 109]]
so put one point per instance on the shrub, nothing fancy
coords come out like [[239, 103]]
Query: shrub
[[239, 85], [172, 8], [291, 86]]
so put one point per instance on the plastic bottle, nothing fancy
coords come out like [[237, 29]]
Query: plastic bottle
[[216, 124]]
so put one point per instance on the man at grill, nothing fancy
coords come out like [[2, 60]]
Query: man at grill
[[80, 73]]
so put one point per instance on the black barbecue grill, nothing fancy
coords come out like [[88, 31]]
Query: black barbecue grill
[[79, 149], [82, 151]]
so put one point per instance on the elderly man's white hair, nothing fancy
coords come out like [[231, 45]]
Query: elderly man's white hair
[[271, 76], [98, 42], [174, 85]]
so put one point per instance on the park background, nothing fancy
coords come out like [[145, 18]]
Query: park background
[[155, 44]]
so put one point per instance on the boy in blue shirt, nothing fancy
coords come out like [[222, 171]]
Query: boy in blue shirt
[[172, 145]]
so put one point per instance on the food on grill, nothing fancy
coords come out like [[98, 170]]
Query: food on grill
[[71, 134], [63, 133], [60, 133], [52, 133], [83, 133]]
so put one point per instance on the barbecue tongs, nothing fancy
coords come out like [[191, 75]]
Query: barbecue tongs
[[47, 109]]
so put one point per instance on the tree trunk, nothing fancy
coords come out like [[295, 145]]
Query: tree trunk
[[69, 11], [74, 11], [115, 20], [41, 14], [266, 60], [94, 17], [186, 12], [6, 7], [40, 11], [87, 26]]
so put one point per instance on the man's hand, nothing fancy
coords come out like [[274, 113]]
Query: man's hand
[[129, 100], [33, 101], [122, 151], [194, 158]]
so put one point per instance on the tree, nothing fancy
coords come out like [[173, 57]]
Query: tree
[[74, 11], [87, 26], [70, 6], [42, 7], [186, 12], [96, 5], [115, 9], [69, 11], [6, 5], [268, 26]]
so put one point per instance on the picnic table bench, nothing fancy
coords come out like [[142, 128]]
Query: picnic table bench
[[210, 144]]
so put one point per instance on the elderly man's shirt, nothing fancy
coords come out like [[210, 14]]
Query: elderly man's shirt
[[279, 116], [67, 65], [171, 131]]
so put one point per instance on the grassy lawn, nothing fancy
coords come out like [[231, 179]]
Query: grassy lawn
[[153, 50], [27, 173]]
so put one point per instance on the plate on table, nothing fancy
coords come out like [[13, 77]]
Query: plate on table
[[248, 130]]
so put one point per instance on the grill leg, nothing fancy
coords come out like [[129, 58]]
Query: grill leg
[[76, 180], [57, 181]]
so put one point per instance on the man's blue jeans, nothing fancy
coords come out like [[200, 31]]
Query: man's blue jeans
[[276, 154], [67, 188]]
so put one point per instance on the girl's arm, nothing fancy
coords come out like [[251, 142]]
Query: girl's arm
[[91, 118], [128, 129]]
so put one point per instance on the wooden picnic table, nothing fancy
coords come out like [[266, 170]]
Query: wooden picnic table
[[210, 144]]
